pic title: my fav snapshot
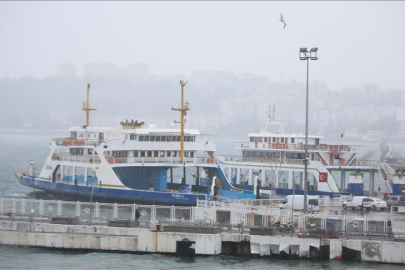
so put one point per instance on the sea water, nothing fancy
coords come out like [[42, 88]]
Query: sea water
[[16, 152]]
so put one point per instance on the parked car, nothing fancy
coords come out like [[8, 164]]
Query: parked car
[[378, 204], [394, 200], [357, 201]]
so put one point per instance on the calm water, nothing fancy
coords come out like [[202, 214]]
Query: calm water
[[16, 151]]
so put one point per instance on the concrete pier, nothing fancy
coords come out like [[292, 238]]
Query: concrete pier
[[204, 240]]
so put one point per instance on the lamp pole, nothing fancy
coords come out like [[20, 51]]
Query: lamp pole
[[307, 55]]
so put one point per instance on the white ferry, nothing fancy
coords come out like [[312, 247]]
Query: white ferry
[[277, 161], [132, 163]]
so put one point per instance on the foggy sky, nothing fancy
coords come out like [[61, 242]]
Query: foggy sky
[[359, 42]]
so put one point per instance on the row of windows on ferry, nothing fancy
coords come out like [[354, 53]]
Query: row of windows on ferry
[[146, 138], [135, 153], [272, 140], [267, 154]]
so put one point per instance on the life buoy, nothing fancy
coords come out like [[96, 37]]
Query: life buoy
[[50, 208], [355, 224], [264, 145], [126, 136], [87, 210], [143, 213]]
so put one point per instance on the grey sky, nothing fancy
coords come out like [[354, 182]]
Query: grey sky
[[359, 42]]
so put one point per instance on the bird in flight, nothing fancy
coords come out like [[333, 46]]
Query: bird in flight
[[282, 20]]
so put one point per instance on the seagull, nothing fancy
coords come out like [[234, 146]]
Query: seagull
[[282, 20]]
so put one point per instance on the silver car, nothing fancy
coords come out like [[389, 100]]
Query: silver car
[[377, 203]]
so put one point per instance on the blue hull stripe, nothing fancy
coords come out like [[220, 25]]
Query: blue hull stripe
[[111, 195]]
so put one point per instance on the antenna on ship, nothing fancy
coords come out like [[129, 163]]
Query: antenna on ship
[[86, 106], [184, 107]]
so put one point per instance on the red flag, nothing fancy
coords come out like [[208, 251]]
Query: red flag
[[341, 135]]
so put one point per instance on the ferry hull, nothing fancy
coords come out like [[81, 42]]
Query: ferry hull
[[111, 195]]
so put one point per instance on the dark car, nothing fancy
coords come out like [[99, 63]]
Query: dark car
[[394, 200]]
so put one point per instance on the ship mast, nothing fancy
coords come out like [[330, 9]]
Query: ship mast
[[86, 106], [184, 106]]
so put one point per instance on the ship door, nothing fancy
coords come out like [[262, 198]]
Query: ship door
[[56, 174], [100, 137]]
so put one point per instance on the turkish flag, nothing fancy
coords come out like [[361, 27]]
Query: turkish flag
[[323, 177]]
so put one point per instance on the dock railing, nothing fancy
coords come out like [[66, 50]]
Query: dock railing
[[226, 215]]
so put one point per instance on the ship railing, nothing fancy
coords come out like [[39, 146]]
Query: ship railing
[[218, 213], [299, 147], [166, 160], [76, 158], [266, 160]]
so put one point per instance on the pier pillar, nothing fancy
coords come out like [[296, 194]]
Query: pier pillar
[[335, 251]]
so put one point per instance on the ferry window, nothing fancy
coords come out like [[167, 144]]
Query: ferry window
[[174, 154], [337, 156], [187, 138], [132, 137], [265, 139], [289, 155], [152, 138], [149, 153], [178, 138], [158, 138], [295, 155], [174, 138], [193, 138], [135, 153], [257, 154], [263, 154], [141, 138], [146, 138], [245, 153], [252, 139], [162, 153], [155, 153], [282, 140], [90, 151], [73, 135], [163, 138], [260, 139], [185, 153], [269, 154], [292, 140], [191, 154], [301, 156], [169, 138], [142, 153], [313, 201], [273, 139], [168, 153], [276, 154]]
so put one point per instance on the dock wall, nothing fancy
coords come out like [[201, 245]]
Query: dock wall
[[155, 241]]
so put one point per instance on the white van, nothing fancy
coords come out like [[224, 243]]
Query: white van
[[312, 202], [357, 201]]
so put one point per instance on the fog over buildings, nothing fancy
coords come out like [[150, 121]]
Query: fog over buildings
[[236, 57]]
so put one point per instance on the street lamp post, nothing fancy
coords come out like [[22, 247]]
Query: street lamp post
[[307, 55]]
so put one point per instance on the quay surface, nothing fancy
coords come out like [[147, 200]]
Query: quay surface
[[205, 231]]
